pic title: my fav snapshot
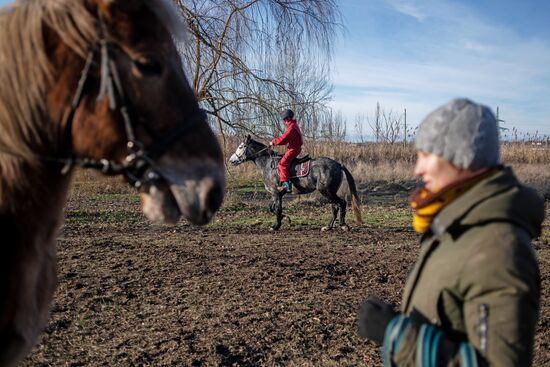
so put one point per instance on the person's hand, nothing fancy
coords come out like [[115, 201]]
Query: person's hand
[[373, 317]]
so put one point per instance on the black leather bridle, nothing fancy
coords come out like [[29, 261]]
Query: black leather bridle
[[138, 165], [245, 157]]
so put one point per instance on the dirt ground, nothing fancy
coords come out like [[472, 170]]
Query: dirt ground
[[134, 294]]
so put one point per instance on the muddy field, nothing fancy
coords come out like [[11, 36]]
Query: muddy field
[[232, 293]]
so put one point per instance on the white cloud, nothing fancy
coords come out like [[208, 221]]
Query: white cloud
[[454, 53], [408, 8]]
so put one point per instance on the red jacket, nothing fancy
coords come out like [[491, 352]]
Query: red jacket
[[292, 136]]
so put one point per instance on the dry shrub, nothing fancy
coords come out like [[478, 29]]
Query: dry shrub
[[382, 171], [535, 175], [93, 182], [244, 172], [370, 153], [525, 152], [368, 162], [531, 162], [395, 162]]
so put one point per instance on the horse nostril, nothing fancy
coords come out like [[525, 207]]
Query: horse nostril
[[209, 197], [214, 197]]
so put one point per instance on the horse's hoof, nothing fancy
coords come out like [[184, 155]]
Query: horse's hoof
[[273, 228], [345, 228], [324, 229]]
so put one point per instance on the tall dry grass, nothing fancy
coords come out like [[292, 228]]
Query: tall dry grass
[[530, 153], [368, 162], [373, 161], [395, 162]]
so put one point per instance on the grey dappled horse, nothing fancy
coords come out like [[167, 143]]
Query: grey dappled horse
[[325, 175]]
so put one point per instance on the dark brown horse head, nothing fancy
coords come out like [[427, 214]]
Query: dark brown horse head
[[136, 86]]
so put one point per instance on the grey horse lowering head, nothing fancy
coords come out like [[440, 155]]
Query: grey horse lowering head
[[246, 151], [325, 175]]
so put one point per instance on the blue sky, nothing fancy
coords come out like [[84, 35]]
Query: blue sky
[[418, 54]]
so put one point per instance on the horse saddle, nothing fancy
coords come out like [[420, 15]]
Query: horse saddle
[[303, 159], [300, 166]]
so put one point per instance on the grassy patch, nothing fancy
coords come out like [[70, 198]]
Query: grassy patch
[[113, 197], [388, 216], [106, 216], [303, 213], [268, 219], [308, 221], [244, 221], [240, 186]]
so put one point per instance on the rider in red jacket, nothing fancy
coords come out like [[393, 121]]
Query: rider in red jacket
[[292, 137]]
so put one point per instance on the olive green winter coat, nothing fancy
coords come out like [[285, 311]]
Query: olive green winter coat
[[477, 277]]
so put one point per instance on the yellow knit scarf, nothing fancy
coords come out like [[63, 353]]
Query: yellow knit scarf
[[426, 204]]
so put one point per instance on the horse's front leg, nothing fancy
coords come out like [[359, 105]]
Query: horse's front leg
[[277, 208]]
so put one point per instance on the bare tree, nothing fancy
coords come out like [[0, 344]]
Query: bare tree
[[388, 126], [333, 127], [248, 59], [405, 131], [359, 127], [376, 126]]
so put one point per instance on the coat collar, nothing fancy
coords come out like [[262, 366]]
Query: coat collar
[[290, 122], [499, 197]]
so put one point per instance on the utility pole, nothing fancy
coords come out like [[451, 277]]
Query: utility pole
[[377, 122], [499, 121], [405, 125], [500, 128]]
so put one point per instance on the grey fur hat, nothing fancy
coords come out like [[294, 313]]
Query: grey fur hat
[[463, 133]]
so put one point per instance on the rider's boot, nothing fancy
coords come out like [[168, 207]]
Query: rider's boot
[[285, 187]]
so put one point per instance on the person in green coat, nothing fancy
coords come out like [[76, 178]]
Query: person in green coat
[[472, 298]]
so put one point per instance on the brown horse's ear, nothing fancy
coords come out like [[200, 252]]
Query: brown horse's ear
[[106, 7], [103, 6]]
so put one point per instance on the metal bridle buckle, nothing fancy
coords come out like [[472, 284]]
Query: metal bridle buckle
[[105, 165], [134, 146]]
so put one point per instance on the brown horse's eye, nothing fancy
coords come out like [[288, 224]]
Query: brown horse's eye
[[148, 67]]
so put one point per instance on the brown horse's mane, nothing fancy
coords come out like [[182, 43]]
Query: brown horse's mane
[[26, 72]]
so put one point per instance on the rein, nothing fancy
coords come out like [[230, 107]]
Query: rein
[[255, 155], [139, 160], [138, 165]]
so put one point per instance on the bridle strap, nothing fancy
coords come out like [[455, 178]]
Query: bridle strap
[[68, 119], [106, 87], [252, 156], [257, 154], [139, 160]]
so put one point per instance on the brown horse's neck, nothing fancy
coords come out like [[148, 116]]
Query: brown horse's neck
[[32, 196], [32, 190], [31, 212]]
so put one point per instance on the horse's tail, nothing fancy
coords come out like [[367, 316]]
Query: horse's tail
[[355, 202]]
